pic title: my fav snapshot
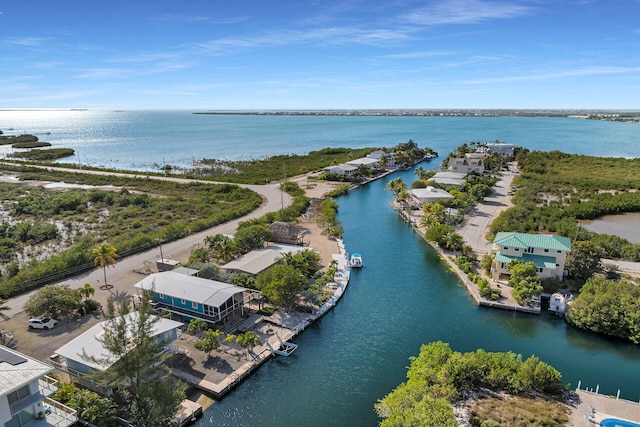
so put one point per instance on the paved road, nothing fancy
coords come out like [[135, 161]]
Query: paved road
[[179, 250], [474, 230]]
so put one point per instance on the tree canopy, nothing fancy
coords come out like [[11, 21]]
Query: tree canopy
[[56, 301], [145, 391], [609, 308], [438, 376], [524, 280], [281, 284]]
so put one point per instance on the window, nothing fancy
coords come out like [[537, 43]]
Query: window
[[506, 248], [161, 296], [183, 302], [559, 252], [540, 270], [546, 250], [194, 304], [517, 249], [21, 393]]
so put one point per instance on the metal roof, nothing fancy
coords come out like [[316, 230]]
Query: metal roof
[[89, 342], [189, 288], [540, 261], [258, 260], [12, 377], [523, 240]]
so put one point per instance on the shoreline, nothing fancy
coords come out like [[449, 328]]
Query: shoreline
[[472, 230]]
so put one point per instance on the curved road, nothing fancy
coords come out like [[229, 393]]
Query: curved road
[[180, 249]]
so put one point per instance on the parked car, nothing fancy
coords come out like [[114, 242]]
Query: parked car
[[42, 322]]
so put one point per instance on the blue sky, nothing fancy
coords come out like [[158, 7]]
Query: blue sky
[[321, 54]]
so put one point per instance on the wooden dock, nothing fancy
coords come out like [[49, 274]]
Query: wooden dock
[[282, 327]]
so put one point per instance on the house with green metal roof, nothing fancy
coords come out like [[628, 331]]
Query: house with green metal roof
[[547, 251]]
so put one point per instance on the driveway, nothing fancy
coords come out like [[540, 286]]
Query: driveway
[[476, 226]]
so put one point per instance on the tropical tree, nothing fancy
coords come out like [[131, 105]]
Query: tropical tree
[[87, 291], [248, 340], [306, 261], [397, 186], [104, 256], [53, 300], [3, 308], [524, 281], [223, 248], [197, 327], [210, 341], [252, 236], [281, 284], [363, 171], [583, 261], [144, 388], [199, 255]]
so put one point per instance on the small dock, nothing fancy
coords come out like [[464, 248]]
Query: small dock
[[275, 332], [189, 411]]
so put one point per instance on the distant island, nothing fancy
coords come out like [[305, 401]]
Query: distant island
[[609, 115]]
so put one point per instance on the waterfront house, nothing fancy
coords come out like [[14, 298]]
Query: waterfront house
[[380, 154], [429, 195], [86, 354], [370, 162], [502, 148], [342, 169], [193, 297], [547, 251], [449, 178], [24, 393], [466, 165], [258, 260]]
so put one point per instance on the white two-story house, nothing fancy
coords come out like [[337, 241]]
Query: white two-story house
[[547, 251], [24, 391]]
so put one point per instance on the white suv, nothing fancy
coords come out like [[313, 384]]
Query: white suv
[[42, 322]]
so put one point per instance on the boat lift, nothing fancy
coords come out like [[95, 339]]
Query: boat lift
[[285, 349]]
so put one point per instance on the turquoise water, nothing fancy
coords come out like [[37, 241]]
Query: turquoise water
[[404, 297], [145, 140]]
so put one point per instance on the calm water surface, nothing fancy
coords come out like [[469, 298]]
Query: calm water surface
[[145, 140], [404, 297], [625, 225]]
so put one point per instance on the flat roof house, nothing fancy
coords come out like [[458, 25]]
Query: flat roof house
[[24, 391], [343, 169], [258, 260], [547, 251], [429, 194]]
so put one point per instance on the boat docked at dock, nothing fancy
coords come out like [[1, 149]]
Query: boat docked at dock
[[356, 261]]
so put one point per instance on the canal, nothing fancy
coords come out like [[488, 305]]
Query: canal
[[404, 297]]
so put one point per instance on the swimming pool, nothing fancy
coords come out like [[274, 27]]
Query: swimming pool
[[613, 422]]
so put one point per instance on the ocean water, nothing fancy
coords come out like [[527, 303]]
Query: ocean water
[[146, 140]]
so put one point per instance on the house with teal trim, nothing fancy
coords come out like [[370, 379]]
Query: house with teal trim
[[191, 297], [547, 251]]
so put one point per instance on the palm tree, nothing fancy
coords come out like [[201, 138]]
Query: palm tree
[[248, 340], [86, 291], [104, 256], [4, 307]]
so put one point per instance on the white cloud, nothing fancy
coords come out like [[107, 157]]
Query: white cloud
[[465, 12]]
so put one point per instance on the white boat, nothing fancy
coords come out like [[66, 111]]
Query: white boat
[[356, 261]]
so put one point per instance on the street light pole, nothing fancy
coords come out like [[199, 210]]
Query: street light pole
[[161, 256]]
